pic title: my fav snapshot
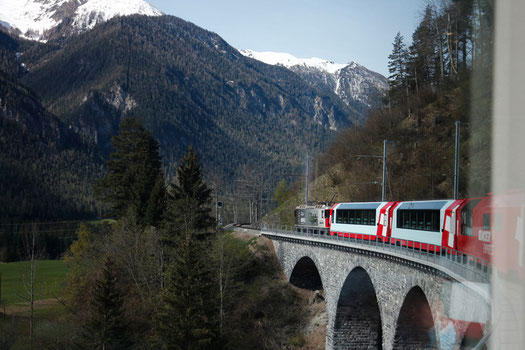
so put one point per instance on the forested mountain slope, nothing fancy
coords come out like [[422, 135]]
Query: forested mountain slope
[[189, 87], [357, 86], [45, 168]]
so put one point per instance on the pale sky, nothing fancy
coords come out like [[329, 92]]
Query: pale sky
[[337, 30]]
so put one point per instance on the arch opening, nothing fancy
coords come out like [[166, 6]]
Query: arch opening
[[358, 319], [305, 275], [415, 325]]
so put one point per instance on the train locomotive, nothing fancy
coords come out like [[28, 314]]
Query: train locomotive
[[469, 227], [312, 219]]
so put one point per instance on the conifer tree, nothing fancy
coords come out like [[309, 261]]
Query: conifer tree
[[189, 198], [187, 319], [134, 181], [397, 65], [106, 328], [424, 61]]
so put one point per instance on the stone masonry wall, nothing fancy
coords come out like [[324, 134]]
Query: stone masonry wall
[[392, 280]]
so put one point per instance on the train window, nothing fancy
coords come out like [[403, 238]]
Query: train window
[[424, 220], [359, 217], [466, 217], [327, 214], [406, 220], [486, 222], [356, 217], [466, 222], [428, 221]]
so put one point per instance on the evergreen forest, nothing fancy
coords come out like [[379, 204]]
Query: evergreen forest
[[161, 275]]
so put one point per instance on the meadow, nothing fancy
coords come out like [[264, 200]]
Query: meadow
[[14, 277]]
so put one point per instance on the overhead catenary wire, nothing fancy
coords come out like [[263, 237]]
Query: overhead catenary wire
[[47, 222]]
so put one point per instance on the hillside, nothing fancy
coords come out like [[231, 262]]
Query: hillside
[[358, 87], [190, 88], [423, 103], [45, 168]]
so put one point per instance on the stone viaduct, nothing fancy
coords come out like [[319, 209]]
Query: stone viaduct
[[379, 300]]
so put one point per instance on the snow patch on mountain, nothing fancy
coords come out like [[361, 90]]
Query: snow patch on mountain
[[33, 19], [288, 61], [96, 11], [356, 85]]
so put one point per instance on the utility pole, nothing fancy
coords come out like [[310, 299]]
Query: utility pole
[[383, 185], [456, 163], [307, 179]]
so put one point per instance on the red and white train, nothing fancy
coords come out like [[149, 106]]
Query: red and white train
[[469, 226]]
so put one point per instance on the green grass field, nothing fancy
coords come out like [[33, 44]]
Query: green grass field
[[49, 282]]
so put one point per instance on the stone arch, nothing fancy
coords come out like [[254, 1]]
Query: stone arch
[[305, 274], [358, 319], [472, 336], [415, 324]]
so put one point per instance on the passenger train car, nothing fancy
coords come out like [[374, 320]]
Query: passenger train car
[[468, 227]]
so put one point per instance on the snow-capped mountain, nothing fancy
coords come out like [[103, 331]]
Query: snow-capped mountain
[[356, 85], [44, 19], [287, 60]]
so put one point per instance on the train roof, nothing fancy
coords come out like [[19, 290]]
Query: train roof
[[359, 205], [317, 206], [424, 205], [407, 205]]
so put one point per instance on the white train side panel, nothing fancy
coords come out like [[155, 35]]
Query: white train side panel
[[351, 219], [422, 222]]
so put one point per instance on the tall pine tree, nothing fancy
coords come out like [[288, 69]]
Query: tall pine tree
[[424, 59], [397, 66], [187, 319], [106, 329], [188, 204], [134, 181]]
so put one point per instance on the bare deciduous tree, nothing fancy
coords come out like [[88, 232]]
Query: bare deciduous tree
[[31, 253]]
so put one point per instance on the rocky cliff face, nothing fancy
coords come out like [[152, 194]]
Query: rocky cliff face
[[357, 86]]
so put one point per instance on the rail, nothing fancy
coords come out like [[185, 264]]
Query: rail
[[450, 261]]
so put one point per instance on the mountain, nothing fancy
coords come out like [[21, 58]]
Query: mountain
[[45, 168], [359, 87], [189, 87], [47, 19]]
